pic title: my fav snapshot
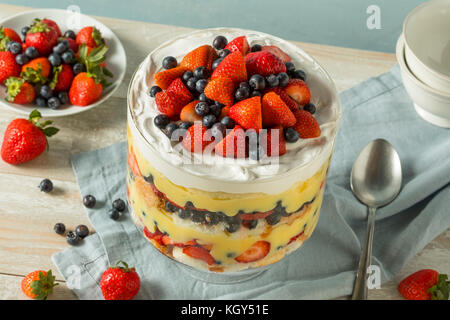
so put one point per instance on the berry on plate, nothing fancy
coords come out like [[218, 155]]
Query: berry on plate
[[426, 284], [247, 113], [263, 63], [42, 37], [38, 284], [276, 112], [306, 125], [298, 91], [85, 90], [220, 89], [196, 139], [7, 35], [164, 78], [256, 252], [120, 282], [62, 78], [233, 145], [19, 91], [233, 67], [278, 52], [202, 56], [239, 44], [8, 66], [52, 24], [36, 71], [25, 139], [90, 36]]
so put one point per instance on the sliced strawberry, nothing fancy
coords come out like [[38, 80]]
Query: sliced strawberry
[[221, 90], [188, 112], [177, 86], [273, 142], [199, 253], [132, 163], [202, 56], [247, 113], [239, 44], [196, 139], [298, 90], [233, 145], [233, 67], [276, 112], [264, 63], [284, 96], [157, 235], [169, 103], [306, 125], [163, 79], [256, 252], [278, 52]]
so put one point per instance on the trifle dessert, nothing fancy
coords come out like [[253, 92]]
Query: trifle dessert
[[230, 136]]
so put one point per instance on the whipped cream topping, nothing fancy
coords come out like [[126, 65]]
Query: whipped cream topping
[[212, 172]]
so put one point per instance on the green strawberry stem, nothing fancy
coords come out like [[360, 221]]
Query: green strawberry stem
[[56, 72], [441, 290], [3, 40], [34, 118], [34, 76], [38, 26], [124, 268], [44, 286], [93, 61], [13, 88], [97, 36]]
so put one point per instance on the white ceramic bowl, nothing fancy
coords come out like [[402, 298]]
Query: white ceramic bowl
[[426, 32], [431, 104], [116, 60]]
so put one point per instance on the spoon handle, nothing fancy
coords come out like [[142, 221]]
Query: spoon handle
[[360, 287]]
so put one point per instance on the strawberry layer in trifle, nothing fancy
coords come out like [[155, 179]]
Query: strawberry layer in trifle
[[230, 136]]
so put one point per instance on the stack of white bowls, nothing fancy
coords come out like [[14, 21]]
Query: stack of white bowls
[[423, 52]]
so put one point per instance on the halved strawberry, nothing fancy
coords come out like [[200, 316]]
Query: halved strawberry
[[202, 56], [199, 253], [278, 52], [169, 104], [284, 96], [157, 235], [132, 163], [275, 111], [264, 63], [221, 90], [233, 67], [177, 87], [164, 78], [233, 145], [224, 112], [306, 125], [247, 113], [273, 142], [197, 137], [256, 252], [298, 90], [239, 44], [188, 112]]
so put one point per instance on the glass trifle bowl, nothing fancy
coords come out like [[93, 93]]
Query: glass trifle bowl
[[218, 214]]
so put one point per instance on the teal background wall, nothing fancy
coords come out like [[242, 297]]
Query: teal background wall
[[334, 22]]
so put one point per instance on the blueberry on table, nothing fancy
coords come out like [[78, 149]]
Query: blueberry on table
[[200, 85], [161, 121], [78, 68], [114, 214], [209, 120], [299, 74], [14, 47], [53, 103], [70, 34], [257, 82], [55, 59], [291, 135], [22, 59], [46, 185], [241, 94], [72, 238], [89, 201], [169, 62], [41, 102], [272, 81], [170, 128], [46, 92], [220, 42], [82, 231], [289, 67], [283, 79], [119, 205], [228, 122], [216, 63], [63, 97], [256, 47], [310, 107], [68, 57], [24, 30], [154, 90], [59, 228], [223, 53], [202, 109], [31, 52], [201, 73]]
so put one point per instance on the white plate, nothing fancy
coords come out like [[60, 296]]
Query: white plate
[[116, 60]]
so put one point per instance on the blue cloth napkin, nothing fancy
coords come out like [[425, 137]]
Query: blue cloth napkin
[[325, 266]]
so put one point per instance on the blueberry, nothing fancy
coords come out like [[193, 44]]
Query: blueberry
[[78, 68], [61, 47], [161, 121], [228, 122], [68, 57], [256, 93], [46, 92], [217, 103], [310, 107], [223, 53], [59, 228], [14, 47], [220, 42], [82, 231], [283, 79], [184, 214], [272, 81], [170, 128], [31, 52], [185, 125], [114, 214], [191, 83], [201, 73], [203, 98], [273, 219], [291, 135], [89, 201], [169, 62], [202, 109], [63, 97], [216, 63], [25, 30], [251, 224], [234, 223], [53, 103], [299, 74], [70, 34], [198, 217], [119, 205], [41, 102], [201, 85], [257, 82], [22, 59], [256, 47], [154, 90], [55, 59], [209, 120], [215, 110], [212, 218], [46, 185], [244, 85], [218, 130], [241, 94], [170, 206], [72, 238], [289, 67], [187, 75]]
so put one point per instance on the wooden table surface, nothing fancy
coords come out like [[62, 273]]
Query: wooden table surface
[[27, 216]]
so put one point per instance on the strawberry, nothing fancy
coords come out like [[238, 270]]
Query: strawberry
[[38, 284], [264, 63], [164, 78], [120, 282], [36, 71], [224, 112], [8, 66], [177, 87], [7, 35], [202, 56], [233, 67], [84, 90], [239, 44], [298, 90], [25, 139], [273, 142], [42, 37], [132, 163], [306, 125], [284, 96], [256, 252], [275, 111], [52, 24], [62, 78], [426, 284], [90, 36], [233, 145], [247, 113], [169, 103], [188, 112], [201, 253], [19, 91], [278, 52], [221, 90], [197, 137]]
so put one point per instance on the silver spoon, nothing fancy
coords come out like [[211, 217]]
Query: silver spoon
[[376, 180]]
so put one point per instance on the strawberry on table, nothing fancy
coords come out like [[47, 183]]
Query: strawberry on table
[[233, 67], [62, 78], [239, 44], [169, 103], [120, 282], [188, 112], [256, 252], [38, 284], [19, 91], [36, 71], [198, 252], [263, 63], [164, 78], [276, 112], [8, 66], [202, 56], [197, 137], [25, 139], [426, 284], [7, 35], [41, 36], [233, 145], [298, 90], [221, 90], [278, 52], [90, 36], [284, 96], [247, 113], [306, 125]]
